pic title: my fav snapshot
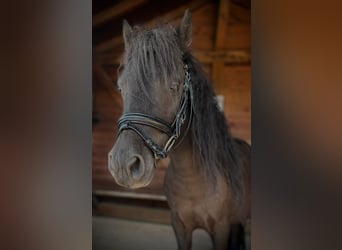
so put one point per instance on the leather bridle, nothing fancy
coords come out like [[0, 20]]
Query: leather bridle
[[173, 130]]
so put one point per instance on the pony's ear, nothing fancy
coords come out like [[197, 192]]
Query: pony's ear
[[126, 31], [185, 29]]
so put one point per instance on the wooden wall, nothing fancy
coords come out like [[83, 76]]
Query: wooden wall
[[225, 58]]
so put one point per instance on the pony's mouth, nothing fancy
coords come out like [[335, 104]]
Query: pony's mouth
[[136, 184], [125, 181]]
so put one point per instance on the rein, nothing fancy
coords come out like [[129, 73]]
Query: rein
[[173, 130]]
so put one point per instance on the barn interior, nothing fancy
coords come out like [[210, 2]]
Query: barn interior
[[221, 42]]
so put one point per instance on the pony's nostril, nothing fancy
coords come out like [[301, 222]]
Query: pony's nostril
[[135, 167], [110, 161]]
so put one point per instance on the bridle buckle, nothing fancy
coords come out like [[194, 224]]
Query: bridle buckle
[[170, 142]]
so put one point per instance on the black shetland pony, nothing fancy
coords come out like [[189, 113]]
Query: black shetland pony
[[170, 110]]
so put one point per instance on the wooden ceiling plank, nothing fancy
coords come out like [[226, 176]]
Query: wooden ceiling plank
[[116, 10], [173, 14]]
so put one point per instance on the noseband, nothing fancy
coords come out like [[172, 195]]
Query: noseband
[[173, 130]]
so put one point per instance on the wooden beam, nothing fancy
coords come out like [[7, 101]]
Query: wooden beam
[[138, 213], [222, 20], [116, 10], [173, 14], [225, 56], [236, 56], [221, 25], [131, 195]]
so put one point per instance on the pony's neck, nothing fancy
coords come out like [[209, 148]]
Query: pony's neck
[[182, 161]]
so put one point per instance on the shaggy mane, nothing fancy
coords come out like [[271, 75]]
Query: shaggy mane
[[213, 144]]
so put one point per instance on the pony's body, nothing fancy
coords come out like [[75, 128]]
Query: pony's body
[[207, 181]]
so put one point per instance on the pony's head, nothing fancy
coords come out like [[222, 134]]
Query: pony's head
[[151, 81]]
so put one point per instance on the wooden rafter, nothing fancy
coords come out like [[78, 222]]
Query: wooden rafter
[[222, 20], [170, 16], [116, 10], [233, 56]]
